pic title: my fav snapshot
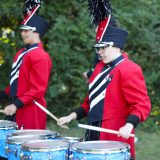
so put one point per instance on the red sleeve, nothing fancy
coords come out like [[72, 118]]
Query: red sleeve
[[135, 92], [85, 104], [7, 90]]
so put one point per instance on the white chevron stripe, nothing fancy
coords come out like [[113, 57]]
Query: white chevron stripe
[[18, 60], [97, 77], [99, 86], [17, 65], [16, 68], [14, 77], [19, 57], [98, 98]]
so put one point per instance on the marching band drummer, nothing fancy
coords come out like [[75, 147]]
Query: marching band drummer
[[30, 73], [117, 97]]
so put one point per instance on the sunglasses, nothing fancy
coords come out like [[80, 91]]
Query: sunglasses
[[97, 49]]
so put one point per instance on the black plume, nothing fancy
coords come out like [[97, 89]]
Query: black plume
[[29, 5], [98, 10]]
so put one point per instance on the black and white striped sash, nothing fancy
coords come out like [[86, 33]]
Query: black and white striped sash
[[97, 90], [15, 70]]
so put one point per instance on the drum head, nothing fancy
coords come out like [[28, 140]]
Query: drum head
[[22, 139], [47, 133], [100, 147], [45, 145], [4, 124]]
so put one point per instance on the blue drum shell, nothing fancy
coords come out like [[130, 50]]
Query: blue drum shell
[[45, 149], [6, 127], [13, 144]]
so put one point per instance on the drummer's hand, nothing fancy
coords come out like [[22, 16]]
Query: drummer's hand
[[67, 119], [85, 76], [10, 110], [125, 131]]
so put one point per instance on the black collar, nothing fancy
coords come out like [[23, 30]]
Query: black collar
[[114, 62], [31, 46]]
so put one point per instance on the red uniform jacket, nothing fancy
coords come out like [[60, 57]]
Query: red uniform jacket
[[125, 94], [32, 84]]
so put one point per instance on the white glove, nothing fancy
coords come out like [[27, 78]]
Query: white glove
[[9, 110], [125, 131], [67, 119]]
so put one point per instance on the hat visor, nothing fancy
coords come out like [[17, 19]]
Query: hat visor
[[103, 44], [24, 27]]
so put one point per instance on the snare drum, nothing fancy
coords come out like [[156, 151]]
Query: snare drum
[[47, 133], [13, 147], [45, 150], [71, 141], [101, 150], [6, 127]]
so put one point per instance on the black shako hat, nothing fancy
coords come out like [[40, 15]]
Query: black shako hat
[[32, 21], [107, 31], [35, 23], [113, 36]]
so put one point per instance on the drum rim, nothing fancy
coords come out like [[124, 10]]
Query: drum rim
[[36, 149], [13, 125], [8, 128], [73, 138], [34, 130], [98, 151]]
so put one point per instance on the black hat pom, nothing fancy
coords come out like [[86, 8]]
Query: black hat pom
[[29, 5], [98, 10]]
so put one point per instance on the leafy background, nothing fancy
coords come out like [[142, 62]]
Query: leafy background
[[70, 39]]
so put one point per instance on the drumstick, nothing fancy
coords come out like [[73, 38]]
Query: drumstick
[[100, 129], [2, 111], [49, 113]]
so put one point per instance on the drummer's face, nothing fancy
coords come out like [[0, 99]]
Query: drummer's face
[[105, 53], [28, 36]]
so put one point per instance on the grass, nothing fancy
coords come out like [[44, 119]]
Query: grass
[[147, 146]]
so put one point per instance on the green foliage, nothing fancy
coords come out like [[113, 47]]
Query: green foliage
[[70, 39], [71, 49]]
